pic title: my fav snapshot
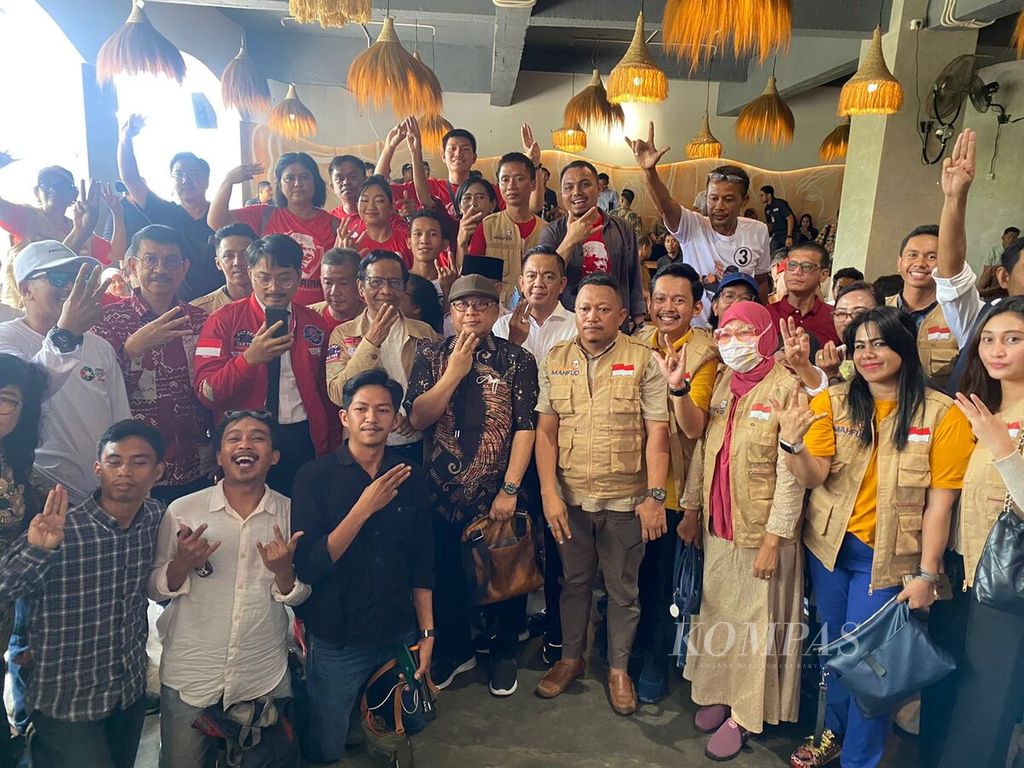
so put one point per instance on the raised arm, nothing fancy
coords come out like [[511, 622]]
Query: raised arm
[[220, 212], [419, 175], [127, 165], [957, 176], [395, 137], [532, 150], [647, 156]]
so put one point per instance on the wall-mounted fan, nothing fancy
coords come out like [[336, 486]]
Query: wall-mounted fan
[[958, 82]]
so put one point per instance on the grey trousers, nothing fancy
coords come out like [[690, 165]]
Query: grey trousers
[[614, 541]]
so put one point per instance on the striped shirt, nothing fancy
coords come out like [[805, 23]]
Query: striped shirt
[[88, 596]]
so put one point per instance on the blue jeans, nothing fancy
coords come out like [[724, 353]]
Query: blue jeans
[[111, 742], [334, 678], [843, 602]]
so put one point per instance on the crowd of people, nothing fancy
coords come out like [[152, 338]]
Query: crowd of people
[[245, 414]]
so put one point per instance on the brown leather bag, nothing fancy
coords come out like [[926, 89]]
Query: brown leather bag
[[500, 559]]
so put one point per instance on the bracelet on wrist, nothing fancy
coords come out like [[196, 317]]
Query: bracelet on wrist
[[928, 576]]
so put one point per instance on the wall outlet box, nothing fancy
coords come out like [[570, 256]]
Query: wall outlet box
[[990, 176], [916, 24]]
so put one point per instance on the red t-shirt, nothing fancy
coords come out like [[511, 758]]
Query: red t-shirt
[[442, 189], [397, 243], [478, 245], [595, 254], [316, 235]]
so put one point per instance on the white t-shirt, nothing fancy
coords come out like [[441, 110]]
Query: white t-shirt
[[560, 326], [86, 395]]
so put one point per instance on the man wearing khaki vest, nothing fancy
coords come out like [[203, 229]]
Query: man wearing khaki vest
[[510, 233], [936, 343], [603, 423], [380, 337]]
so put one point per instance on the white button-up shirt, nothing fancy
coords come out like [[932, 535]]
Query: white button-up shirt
[[560, 326], [225, 634]]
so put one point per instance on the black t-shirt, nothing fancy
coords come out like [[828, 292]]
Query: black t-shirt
[[202, 276], [775, 214]]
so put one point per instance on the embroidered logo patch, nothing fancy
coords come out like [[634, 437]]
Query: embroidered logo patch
[[89, 373], [623, 369], [573, 370], [333, 353], [939, 333], [313, 335], [242, 338], [919, 435], [761, 412]]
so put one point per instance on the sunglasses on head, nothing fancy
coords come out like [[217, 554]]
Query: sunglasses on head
[[236, 415], [732, 178]]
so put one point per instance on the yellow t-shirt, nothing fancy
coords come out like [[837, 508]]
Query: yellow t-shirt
[[702, 386], [947, 457]]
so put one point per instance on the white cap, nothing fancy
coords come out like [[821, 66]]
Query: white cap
[[47, 254]]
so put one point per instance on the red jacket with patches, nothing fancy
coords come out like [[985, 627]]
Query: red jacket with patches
[[225, 381]]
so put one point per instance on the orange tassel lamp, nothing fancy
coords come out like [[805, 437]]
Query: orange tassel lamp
[[1018, 36], [241, 86], [591, 109], [569, 138], [138, 49], [766, 117], [330, 13], [834, 146], [758, 27], [291, 118], [386, 71], [704, 144], [432, 129], [637, 78], [873, 90]]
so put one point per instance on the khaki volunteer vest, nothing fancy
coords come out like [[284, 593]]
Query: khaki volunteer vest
[[504, 242], [600, 430], [903, 481], [753, 453], [936, 345], [700, 349]]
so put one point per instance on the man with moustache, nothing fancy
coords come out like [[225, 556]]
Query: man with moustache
[[191, 176], [154, 334], [339, 279], [807, 272], [380, 338], [591, 241], [224, 561], [230, 243]]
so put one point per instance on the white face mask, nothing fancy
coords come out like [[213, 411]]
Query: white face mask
[[741, 356]]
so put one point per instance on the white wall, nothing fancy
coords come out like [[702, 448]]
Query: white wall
[[995, 201], [540, 99]]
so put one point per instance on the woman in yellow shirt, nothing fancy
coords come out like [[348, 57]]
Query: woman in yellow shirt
[[884, 457]]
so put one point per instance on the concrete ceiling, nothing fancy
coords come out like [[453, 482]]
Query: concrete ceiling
[[477, 47]]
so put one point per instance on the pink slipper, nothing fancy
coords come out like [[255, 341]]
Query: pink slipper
[[710, 719], [727, 742]]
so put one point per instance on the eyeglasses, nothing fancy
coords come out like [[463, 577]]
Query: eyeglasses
[[723, 336], [190, 175], [376, 283], [171, 263], [284, 281], [236, 415], [56, 279], [806, 267], [732, 178], [852, 314], [478, 305], [46, 186], [9, 405]]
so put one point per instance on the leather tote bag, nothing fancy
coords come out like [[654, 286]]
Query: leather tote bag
[[500, 559]]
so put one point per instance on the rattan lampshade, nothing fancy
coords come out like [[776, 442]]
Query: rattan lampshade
[[136, 48], [569, 138], [690, 28], [704, 144], [637, 78], [766, 117], [291, 118], [432, 130], [834, 146], [873, 90], [386, 71], [1018, 35], [591, 108], [242, 87], [330, 13]]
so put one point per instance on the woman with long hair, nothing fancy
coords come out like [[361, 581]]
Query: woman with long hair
[[299, 196], [806, 233], [989, 682], [382, 230], [753, 566], [421, 302], [22, 386], [884, 457]]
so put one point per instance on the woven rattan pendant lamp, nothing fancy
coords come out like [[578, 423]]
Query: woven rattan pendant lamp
[[834, 146], [766, 117], [757, 27], [242, 87], [569, 138], [136, 48], [591, 109], [291, 118], [873, 90], [704, 144], [330, 13], [1018, 35], [637, 78]]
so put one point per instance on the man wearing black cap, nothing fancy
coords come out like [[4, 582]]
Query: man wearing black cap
[[475, 394]]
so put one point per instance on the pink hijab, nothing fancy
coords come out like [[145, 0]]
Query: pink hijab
[[721, 496]]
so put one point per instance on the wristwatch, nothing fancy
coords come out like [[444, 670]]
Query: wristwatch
[[658, 494], [683, 391], [65, 341], [510, 488], [793, 448], [425, 633]]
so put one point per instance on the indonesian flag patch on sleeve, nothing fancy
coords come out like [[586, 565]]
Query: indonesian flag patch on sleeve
[[919, 435], [1014, 428], [761, 411], [623, 369], [208, 348]]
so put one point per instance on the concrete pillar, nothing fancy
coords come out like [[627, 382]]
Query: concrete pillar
[[887, 191]]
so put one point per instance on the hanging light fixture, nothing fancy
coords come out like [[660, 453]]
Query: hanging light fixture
[[386, 71], [873, 90], [637, 78], [758, 27], [591, 109], [834, 146], [766, 117], [704, 144], [138, 49], [330, 13], [241, 86], [432, 130], [1018, 35], [569, 138], [291, 118]]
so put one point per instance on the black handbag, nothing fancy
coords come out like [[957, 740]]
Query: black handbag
[[999, 578], [688, 581], [885, 659]]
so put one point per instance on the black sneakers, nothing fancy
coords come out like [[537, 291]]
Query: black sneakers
[[503, 680], [444, 671]]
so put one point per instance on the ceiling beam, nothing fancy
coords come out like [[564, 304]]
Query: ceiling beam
[[510, 26]]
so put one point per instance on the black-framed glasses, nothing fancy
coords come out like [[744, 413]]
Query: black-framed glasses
[[8, 405], [56, 279], [732, 178], [172, 262], [376, 283], [478, 305], [806, 267]]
